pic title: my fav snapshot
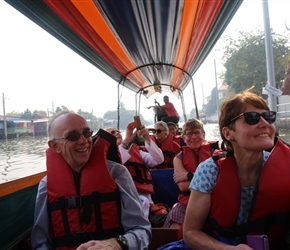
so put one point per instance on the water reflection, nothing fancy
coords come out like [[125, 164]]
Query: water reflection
[[21, 157]]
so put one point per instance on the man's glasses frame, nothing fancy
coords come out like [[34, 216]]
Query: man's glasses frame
[[252, 118], [75, 135]]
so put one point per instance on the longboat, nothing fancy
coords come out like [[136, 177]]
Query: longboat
[[145, 46]]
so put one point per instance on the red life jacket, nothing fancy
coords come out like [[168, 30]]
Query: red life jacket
[[179, 140], [190, 162], [139, 171], [169, 148], [271, 205], [92, 214]]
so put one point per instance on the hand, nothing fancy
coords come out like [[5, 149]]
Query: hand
[[180, 176], [110, 244], [144, 133], [130, 133]]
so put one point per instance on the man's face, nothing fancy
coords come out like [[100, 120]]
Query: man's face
[[75, 152], [165, 99]]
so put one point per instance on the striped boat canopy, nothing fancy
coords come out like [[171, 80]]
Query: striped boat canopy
[[147, 46]]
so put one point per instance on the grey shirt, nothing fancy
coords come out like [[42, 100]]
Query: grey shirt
[[137, 228]]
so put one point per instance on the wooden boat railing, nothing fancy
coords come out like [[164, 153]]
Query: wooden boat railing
[[17, 200]]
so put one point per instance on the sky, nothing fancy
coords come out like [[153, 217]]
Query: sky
[[37, 72]]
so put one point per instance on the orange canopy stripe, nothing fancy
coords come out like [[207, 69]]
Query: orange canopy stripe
[[190, 14]]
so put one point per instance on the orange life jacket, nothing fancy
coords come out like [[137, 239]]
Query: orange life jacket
[[94, 213], [169, 148], [271, 204], [139, 171], [190, 162]]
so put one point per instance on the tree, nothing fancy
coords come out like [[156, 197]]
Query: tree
[[27, 114], [126, 116], [245, 61], [91, 119], [59, 109]]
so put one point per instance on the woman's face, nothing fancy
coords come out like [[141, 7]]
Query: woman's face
[[257, 137], [194, 138], [160, 133], [172, 129]]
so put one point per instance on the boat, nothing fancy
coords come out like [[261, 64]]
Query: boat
[[146, 46]]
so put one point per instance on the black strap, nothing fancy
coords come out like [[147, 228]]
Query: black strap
[[141, 172]]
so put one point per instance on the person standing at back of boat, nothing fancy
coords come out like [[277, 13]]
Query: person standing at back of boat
[[138, 161], [86, 201], [185, 164], [165, 141], [170, 110]]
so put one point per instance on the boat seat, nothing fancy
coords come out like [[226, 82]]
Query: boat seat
[[165, 189]]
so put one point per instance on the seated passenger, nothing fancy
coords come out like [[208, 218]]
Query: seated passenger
[[245, 190], [165, 141], [138, 161], [173, 129], [185, 164]]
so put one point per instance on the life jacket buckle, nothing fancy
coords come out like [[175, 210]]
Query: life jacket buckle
[[74, 202]]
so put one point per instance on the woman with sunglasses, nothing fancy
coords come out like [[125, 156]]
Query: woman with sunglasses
[[245, 190], [165, 141], [137, 161]]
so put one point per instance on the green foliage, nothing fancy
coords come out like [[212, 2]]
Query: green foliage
[[27, 114], [59, 109], [245, 61], [126, 116], [91, 119]]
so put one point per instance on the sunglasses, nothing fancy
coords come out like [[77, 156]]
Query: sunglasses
[[158, 131], [253, 118], [74, 135]]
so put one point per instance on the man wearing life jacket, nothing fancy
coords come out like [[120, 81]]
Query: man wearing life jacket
[[165, 141], [86, 200], [138, 161], [185, 164]]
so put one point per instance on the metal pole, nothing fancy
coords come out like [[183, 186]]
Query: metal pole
[[269, 55], [217, 91], [4, 115]]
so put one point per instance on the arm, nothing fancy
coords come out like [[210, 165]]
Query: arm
[[40, 238], [154, 156], [196, 214], [180, 175], [137, 228]]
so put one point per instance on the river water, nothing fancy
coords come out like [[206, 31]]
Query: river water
[[24, 156]]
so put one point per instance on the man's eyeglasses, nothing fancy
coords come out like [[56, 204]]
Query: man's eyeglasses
[[113, 132], [75, 135], [158, 131], [253, 118], [191, 133]]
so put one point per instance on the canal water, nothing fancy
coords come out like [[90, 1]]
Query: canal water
[[24, 156]]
